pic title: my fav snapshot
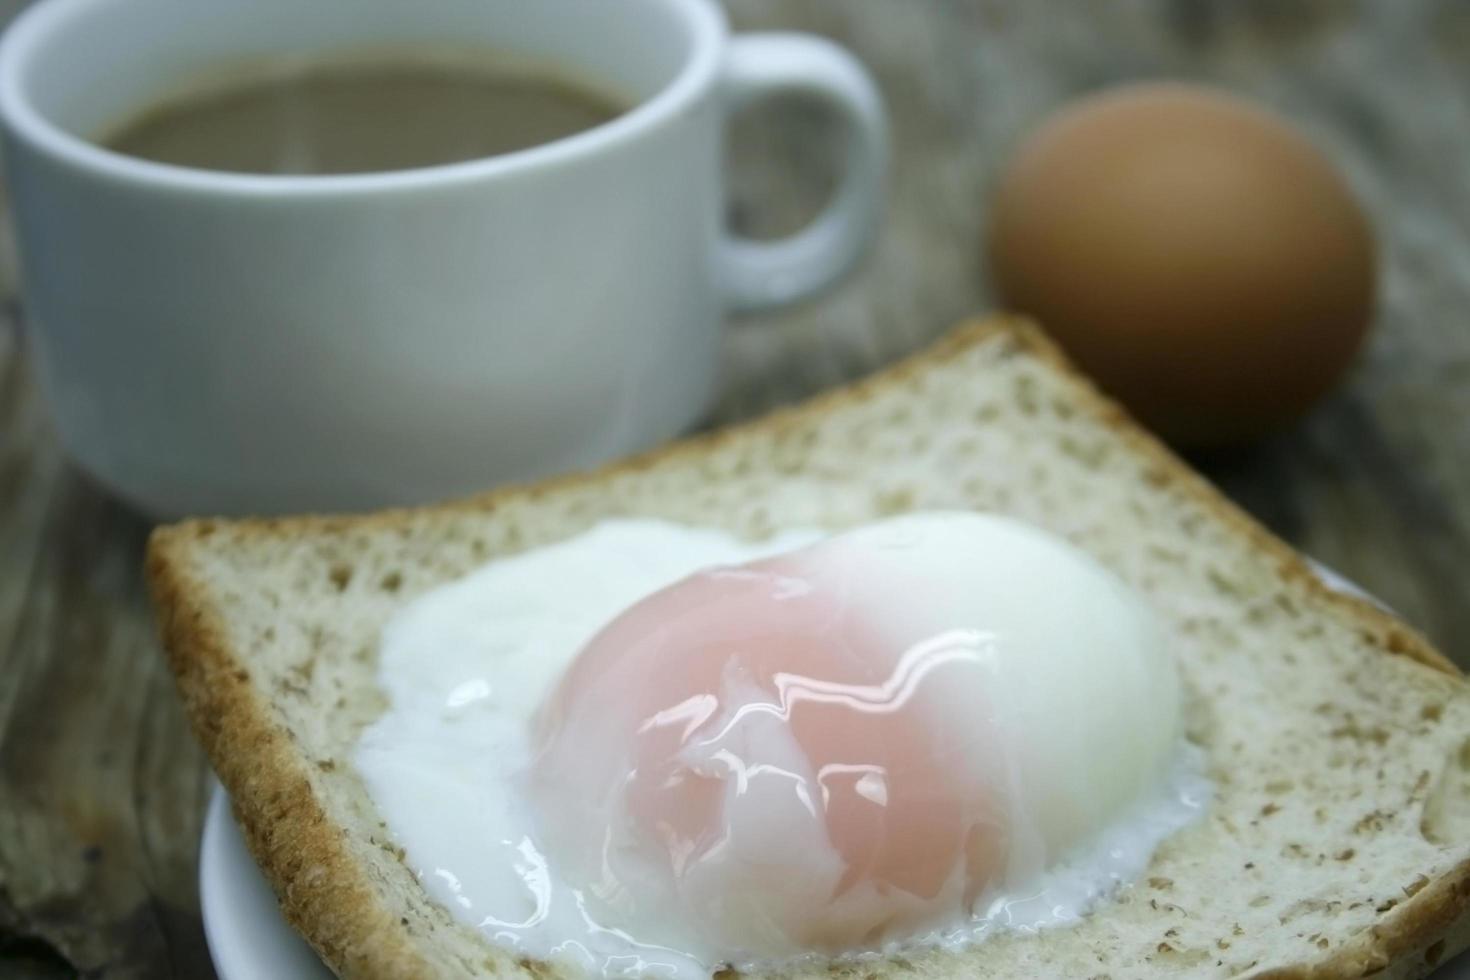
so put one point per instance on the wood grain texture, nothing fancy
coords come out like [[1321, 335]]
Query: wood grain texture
[[101, 787]]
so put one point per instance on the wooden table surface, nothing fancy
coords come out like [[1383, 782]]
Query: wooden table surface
[[101, 786]]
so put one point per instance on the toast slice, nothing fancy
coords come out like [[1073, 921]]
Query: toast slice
[[1338, 844]]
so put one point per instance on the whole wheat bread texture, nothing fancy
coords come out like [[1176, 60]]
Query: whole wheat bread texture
[[1338, 844]]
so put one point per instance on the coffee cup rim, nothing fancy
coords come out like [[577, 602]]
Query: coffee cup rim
[[28, 124]]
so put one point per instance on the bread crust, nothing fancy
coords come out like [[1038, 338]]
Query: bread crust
[[322, 890], [330, 899]]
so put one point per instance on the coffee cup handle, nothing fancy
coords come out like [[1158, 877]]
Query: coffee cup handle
[[761, 274]]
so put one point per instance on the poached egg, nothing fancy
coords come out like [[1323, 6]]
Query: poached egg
[[655, 749]]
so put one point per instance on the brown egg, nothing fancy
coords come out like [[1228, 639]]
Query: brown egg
[[1196, 255]]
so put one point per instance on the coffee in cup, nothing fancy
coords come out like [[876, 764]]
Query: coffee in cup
[[364, 113]]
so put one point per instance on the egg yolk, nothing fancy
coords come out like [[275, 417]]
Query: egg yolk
[[780, 764]]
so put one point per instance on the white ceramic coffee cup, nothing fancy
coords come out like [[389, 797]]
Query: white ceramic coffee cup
[[222, 343]]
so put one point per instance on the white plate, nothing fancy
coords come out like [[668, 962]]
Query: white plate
[[249, 940]]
